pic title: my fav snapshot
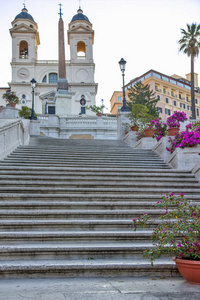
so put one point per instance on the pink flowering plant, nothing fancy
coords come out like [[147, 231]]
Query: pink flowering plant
[[159, 129], [187, 138], [178, 232], [176, 118], [140, 134], [10, 97]]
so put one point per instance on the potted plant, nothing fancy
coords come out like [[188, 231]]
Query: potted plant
[[11, 99], [173, 122], [177, 234], [187, 138], [136, 115], [148, 129], [96, 109]]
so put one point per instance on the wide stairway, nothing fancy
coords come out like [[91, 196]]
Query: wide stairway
[[66, 208]]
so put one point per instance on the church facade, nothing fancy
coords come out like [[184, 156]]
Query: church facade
[[25, 65]]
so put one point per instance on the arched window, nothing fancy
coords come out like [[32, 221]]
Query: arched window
[[53, 77], [44, 80], [23, 49], [81, 50]]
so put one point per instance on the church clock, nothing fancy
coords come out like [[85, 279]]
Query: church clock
[[23, 73]]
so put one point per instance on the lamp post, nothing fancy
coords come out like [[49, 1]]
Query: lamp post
[[33, 84], [122, 64], [45, 105]]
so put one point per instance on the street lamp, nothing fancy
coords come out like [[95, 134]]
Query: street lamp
[[33, 84], [122, 64]]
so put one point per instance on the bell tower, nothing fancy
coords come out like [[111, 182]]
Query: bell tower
[[25, 37], [82, 67], [25, 41]]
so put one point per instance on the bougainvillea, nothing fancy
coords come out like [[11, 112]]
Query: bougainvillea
[[184, 139], [10, 97], [179, 230], [159, 128], [176, 118]]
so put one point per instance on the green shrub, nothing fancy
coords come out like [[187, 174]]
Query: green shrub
[[25, 113]]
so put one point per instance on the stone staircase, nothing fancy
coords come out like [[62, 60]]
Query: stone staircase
[[66, 208]]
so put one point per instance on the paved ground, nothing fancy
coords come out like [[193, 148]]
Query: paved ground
[[98, 288]]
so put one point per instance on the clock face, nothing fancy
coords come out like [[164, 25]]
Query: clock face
[[23, 73]]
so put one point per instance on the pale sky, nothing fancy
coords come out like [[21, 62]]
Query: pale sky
[[143, 32]]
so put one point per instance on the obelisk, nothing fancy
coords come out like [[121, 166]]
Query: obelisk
[[62, 81], [62, 97]]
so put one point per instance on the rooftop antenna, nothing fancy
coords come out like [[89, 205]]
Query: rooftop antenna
[[60, 13]]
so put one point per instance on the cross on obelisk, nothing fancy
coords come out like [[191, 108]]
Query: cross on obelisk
[[60, 13]]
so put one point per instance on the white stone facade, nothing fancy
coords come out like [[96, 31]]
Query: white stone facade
[[25, 65]]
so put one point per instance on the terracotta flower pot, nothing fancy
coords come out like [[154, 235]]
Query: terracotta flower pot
[[99, 114], [134, 128], [172, 131], [189, 269], [148, 132], [12, 104]]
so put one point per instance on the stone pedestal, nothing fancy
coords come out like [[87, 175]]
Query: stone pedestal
[[196, 170], [34, 127], [161, 146], [146, 143], [63, 103], [130, 138], [122, 118], [185, 159]]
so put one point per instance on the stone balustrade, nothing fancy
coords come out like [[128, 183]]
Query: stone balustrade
[[12, 134], [65, 127]]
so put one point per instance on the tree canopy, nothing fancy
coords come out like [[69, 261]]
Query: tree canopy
[[142, 94], [190, 44]]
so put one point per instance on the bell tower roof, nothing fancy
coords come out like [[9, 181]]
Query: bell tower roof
[[80, 16], [24, 15]]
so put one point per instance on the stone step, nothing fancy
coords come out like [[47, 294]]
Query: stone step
[[89, 165], [98, 190], [76, 250], [105, 205], [86, 268], [130, 159], [91, 170], [76, 214], [96, 184], [23, 224], [84, 151], [36, 176], [103, 163], [53, 236], [104, 197]]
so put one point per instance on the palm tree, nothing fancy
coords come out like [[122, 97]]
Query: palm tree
[[190, 44]]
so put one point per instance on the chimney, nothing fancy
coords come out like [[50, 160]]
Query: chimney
[[188, 77]]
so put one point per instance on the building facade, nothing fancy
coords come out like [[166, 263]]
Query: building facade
[[173, 93], [25, 65]]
